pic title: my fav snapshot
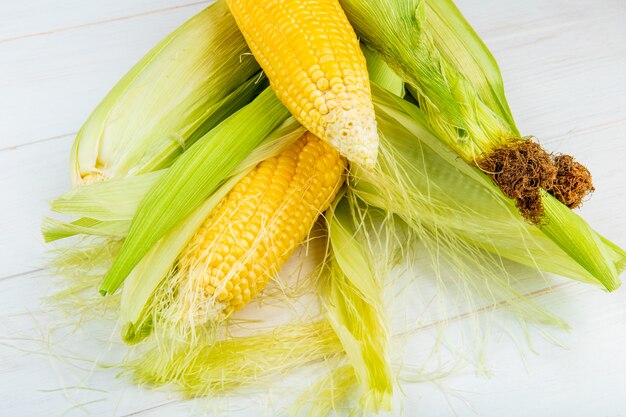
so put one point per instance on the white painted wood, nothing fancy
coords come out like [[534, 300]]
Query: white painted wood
[[36, 17], [50, 83], [582, 378], [562, 61], [30, 177], [564, 64]]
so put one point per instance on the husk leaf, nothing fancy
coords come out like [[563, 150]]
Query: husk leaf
[[353, 299], [194, 176], [426, 181], [149, 286], [400, 32], [187, 84]]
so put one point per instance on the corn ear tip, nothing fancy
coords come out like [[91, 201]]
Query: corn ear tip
[[355, 136]]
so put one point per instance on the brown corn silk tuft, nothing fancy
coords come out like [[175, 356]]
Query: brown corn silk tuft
[[521, 170], [254, 230], [572, 183]]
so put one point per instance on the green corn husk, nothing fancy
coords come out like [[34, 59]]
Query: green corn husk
[[457, 41], [53, 229], [421, 181], [107, 208], [186, 85], [380, 72], [192, 178], [457, 81], [459, 88], [104, 208], [474, 209], [565, 245], [148, 288], [352, 297], [427, 185]]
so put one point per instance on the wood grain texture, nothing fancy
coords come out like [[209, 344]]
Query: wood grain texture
[[563, 63], [40, 17], [50, 83]]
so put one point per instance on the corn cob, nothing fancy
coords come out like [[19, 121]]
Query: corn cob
[[192, 178], [250, 235], [312, 58]]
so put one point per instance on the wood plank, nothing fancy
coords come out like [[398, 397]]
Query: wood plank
[[561, 61], [496, 19], [566, 80], [50, 84], [47, 368], [579, 374], [30, 177], [37, 17]]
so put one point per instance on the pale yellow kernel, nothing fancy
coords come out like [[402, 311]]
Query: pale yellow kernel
[[317, 75], [322, 84], [338, 88], [214, 278], [317, 118], [222, 294], [223, 249], [348, 72], [309, 89], [314, 68], [326, 58], [243, 284], [319, 102]]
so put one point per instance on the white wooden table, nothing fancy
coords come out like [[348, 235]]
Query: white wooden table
[[564, 64]]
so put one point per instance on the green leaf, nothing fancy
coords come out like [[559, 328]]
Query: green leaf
[[194, 176], [425, 183], [353, 299], [192, 80], [400, 30], [457, 41]]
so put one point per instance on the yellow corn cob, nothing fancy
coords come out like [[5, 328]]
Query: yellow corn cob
[[250, 235], [312, 58]]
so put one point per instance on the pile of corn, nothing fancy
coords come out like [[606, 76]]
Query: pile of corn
[[195, 180]]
